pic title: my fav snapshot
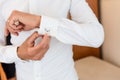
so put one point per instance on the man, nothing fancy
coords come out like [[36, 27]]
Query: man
[[53, 61]]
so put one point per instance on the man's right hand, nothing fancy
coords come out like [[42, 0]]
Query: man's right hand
[[29, 51]]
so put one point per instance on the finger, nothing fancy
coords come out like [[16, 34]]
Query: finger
[[44, 42], [13, 26], [33, 37], [17, 27], [11, 23], [20, 27], [6, 32], [12, 31], [18, 30], [41, 54], [9, 30], [45, 39], [41, 48], [9, 27]]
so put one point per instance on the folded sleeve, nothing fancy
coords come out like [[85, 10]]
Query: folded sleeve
[[8, 54], [84, 29]]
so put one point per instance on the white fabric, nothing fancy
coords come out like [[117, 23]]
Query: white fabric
[[57, 64], [1, 1]]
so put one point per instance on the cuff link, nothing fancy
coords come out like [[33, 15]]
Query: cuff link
[[47, 30]]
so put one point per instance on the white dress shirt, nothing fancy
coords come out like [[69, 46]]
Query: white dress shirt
[[57, 64]]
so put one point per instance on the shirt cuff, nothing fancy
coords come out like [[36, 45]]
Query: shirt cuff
[[48, 26], [12, 54]]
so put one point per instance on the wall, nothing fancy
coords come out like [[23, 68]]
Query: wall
[[110, 17]]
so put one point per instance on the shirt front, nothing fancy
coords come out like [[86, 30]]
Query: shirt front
[[57, 64]]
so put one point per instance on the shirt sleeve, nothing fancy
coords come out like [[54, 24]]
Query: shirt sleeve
[[84, 28], [7, 53], [1, 1]]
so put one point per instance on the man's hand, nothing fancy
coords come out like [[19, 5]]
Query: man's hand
[[29, 51], [25, 21]]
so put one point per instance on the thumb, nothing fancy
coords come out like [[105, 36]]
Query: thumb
[[33, 37], [44, 42]]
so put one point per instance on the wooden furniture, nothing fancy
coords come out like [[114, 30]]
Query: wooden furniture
[[2, 74], [79, 51], [92, 68]]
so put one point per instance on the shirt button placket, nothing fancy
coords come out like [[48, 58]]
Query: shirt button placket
[[37, 70]]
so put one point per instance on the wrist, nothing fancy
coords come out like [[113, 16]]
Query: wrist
[[18, 53], [38, 20]]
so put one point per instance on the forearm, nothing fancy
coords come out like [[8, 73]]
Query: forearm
[[71, 32], [83, 29]]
